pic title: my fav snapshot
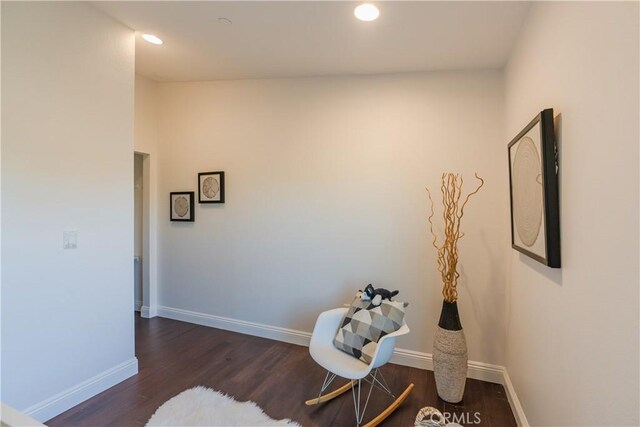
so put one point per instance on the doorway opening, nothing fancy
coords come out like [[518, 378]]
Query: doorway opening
[[138, 233], [145, 234]]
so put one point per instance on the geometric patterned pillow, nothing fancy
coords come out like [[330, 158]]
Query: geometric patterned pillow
[[364, 325]]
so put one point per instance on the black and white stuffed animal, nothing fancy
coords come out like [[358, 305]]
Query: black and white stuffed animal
[[377, 295]]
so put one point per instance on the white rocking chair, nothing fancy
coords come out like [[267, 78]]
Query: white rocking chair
[[339, 363]]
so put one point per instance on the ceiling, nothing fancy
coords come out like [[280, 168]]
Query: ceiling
[[244, 39]]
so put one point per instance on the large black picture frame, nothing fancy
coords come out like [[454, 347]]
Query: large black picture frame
[[533, 190]]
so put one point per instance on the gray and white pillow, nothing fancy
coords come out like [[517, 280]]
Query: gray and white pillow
[[365, 324]]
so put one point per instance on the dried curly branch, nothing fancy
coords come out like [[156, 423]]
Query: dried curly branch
[[452, 213]]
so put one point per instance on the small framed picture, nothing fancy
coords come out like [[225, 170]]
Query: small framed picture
[[182, 204], [211, 187], [533, 185]]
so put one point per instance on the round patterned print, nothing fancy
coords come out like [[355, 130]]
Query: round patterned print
[[181, 206], [210, 187], [527, 192]]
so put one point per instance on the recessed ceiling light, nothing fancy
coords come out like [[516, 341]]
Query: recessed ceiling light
[[366, 12], [152, 39]]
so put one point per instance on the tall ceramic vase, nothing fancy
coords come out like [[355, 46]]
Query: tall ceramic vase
[[450, 355]]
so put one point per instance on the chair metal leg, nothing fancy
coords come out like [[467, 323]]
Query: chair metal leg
[[331, 395], [385, 385], [327, 380], [380, 385], [356, 401]]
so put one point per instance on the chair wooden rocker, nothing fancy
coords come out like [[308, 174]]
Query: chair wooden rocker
[[339, 363]]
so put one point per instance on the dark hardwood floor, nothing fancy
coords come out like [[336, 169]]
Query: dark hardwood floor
[[279, 377]]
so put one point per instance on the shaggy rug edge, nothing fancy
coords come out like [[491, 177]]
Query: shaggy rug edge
[[157, 418]]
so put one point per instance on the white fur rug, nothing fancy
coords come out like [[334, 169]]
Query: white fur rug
[[201, 406]]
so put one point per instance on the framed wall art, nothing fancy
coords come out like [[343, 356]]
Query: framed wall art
[[533, 185], [211, 187], [182, 204]]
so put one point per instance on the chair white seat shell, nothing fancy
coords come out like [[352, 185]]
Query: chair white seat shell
[[337, 361]]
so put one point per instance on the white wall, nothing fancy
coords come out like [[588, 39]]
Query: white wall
[[146, 115], [67, 141], [146, 143], [573, 333], [325, 193]]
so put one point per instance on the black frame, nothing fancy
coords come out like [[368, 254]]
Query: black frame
[[550, 199], [192, 205], [221, 180]]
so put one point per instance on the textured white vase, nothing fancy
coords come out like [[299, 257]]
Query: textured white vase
[[450, 364]]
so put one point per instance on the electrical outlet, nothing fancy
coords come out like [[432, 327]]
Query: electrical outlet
[[70, 239]]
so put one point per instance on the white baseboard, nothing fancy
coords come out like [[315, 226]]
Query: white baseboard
[[250, 328], [516, 407], [477, 370], [71, 397], [148, 312], [486, 372]]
